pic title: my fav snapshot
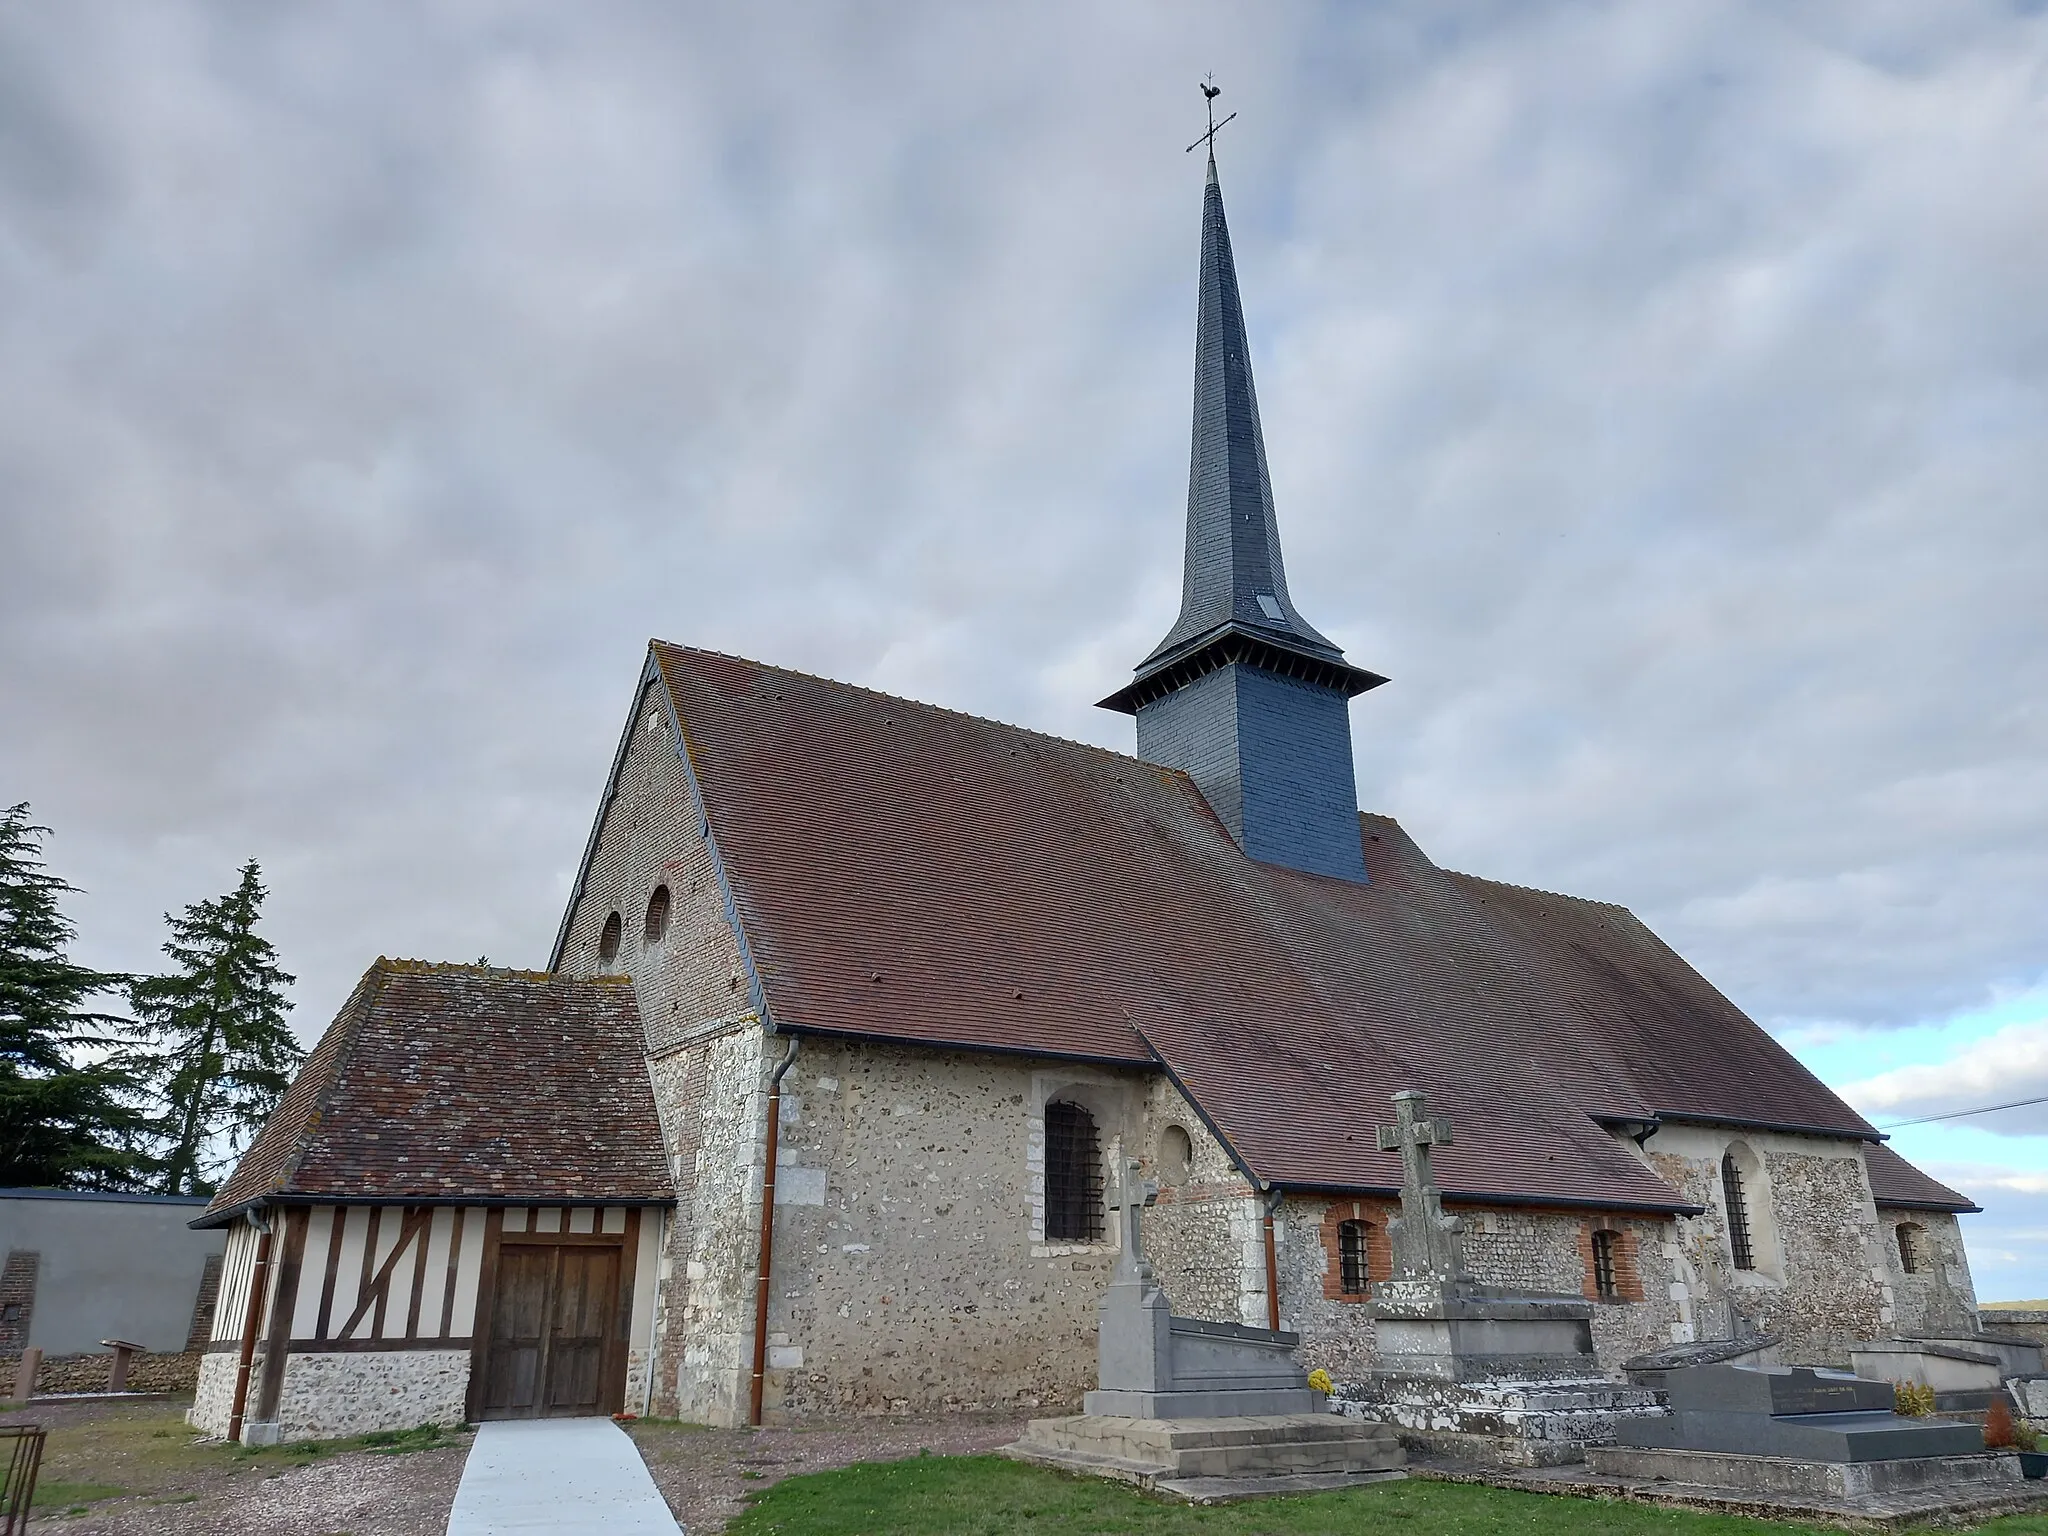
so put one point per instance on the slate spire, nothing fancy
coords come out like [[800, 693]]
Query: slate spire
[[1243, 692]]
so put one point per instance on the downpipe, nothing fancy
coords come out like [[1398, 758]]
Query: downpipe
[[762, 1269], [252, 1320], [1274, 1195]]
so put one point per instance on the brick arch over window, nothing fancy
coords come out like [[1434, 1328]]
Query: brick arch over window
[[1607, 1249], [1360, 1226]]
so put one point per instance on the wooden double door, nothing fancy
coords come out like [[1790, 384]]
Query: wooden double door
[[557, 1332]]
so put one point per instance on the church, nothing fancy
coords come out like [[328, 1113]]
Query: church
[[859, 1004]]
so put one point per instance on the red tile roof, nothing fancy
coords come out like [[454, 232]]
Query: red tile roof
[[1896, 1182], [444, 1083], [908, 873]]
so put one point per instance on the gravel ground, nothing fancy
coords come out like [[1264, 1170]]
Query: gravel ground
[[706, 1474], [179, 1485]]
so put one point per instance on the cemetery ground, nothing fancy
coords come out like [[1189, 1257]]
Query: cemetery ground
[[135, 1468]]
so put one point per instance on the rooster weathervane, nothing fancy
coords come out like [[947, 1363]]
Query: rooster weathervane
[[1210, 91]]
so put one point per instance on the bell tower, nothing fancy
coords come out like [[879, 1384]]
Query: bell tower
[[1243, 693]]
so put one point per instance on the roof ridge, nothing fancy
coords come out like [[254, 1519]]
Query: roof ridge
[[1537, 890], [399, 966], [937, 709]]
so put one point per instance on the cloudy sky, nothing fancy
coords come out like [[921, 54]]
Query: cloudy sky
[[1654, 391]]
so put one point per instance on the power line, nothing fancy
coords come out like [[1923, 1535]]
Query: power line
[[1964, 1114]]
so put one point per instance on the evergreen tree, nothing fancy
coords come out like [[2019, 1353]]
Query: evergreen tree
[[67, 1101], [216, 1033]]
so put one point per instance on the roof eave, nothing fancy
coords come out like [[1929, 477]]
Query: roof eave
[[1234, 642]]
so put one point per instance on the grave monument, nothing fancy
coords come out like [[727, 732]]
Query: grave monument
[[1464, 1368], [1797, 1439], [1205, 1410]]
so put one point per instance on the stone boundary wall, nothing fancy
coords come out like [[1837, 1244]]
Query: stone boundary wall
[[90, 1373]]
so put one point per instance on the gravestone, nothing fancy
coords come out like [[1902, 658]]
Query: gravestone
[[1206, 1411], [1431, 1319], [1153, 1365], [1796, 1437], [1465, 1368]]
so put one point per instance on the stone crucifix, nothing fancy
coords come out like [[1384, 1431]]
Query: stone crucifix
[[1132, 1196], [1426, 1242]]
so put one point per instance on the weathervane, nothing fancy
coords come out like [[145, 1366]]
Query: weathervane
[[1210, 91]]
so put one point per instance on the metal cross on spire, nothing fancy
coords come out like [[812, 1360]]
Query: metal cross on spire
[[1210, 91]]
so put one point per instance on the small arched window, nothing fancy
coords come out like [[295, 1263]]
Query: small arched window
[[608, 940], [1354, 1257], [657, 915], [1739, 1248], [1073, 1175], [1605, 1286], [1912, 1247], [1176, 1155]]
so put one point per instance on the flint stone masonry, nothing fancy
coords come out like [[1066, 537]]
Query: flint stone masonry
[[90, 1373], [1821, 1276], [329, 1396], [213, 1398]]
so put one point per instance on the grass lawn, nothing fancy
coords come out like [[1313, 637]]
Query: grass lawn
[[989, 1496]]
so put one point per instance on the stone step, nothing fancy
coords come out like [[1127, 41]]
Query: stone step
[[1146, 1450], [1228, 1490], [1159, 1439]]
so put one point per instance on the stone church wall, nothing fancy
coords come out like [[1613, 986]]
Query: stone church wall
[[1937, 1300], [911, 1269], [1821, 1277], [707, 1060]]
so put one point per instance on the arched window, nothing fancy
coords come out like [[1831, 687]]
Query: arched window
[[1354, 1257], [1073, 1175], [1912, 1247], [1176, 1154], [1738, 1213], [608, 940], [1605, 1287], [657, 915]]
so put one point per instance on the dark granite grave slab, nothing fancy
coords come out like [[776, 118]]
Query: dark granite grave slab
[[1769, 1390], [1820, 1437]]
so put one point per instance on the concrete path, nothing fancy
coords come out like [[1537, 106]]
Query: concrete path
[[557, 1477]]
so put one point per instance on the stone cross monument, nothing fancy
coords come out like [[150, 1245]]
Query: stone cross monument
[[1429, 1257]]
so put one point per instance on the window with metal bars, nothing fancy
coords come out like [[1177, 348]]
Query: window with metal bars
[[1073, 1175], [1604, 1285], [1909, 1247], [1738, 1213], [1354, 1266]]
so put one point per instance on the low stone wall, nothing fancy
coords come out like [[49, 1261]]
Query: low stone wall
[[90, 1373], [327, 1396]]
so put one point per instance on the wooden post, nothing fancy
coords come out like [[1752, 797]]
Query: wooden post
[[25, 1374], [252, 1319], [117, 1373], [277, 1346]]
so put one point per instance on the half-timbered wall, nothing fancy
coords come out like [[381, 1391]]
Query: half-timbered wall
[[380, 1325]]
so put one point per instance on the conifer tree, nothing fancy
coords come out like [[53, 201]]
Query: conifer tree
[[216, 1033], [68, 1111]]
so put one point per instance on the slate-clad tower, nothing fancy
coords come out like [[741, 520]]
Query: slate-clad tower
[[1242, 693]]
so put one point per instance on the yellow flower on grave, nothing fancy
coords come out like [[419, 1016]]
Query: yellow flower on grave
[[1319, 1380]]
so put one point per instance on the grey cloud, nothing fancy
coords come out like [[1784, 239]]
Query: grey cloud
[[1652, 391]]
